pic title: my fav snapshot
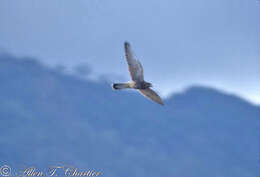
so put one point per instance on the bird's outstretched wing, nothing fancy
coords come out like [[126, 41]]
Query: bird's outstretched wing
[[134, 66], [149, 93]]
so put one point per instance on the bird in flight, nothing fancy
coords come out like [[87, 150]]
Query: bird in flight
[[137, 77]]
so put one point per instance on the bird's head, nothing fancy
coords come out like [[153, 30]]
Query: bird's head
[[149, 84]]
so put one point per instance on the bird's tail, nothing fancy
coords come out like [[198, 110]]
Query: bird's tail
[[118, 86]]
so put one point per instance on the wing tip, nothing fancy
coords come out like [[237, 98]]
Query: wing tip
[[127, 44], [161, 103]]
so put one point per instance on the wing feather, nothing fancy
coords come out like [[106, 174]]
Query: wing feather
[[149, 93], [134, 66]]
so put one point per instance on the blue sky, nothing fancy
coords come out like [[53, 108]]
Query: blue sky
[[180, 43]]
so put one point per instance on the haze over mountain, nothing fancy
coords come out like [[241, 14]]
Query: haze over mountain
[[51, 118]]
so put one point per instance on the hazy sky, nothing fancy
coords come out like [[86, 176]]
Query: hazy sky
[[180, 43]]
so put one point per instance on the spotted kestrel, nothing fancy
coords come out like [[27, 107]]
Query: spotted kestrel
[[136, 72]]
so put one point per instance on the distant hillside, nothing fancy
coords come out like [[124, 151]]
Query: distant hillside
[[50, 118]]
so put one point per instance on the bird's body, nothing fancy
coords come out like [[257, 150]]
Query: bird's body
[[136, 71]]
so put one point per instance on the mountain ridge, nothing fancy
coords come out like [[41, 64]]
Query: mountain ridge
[[51, 118]]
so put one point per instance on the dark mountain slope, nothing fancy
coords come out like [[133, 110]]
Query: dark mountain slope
[[50, 118]]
